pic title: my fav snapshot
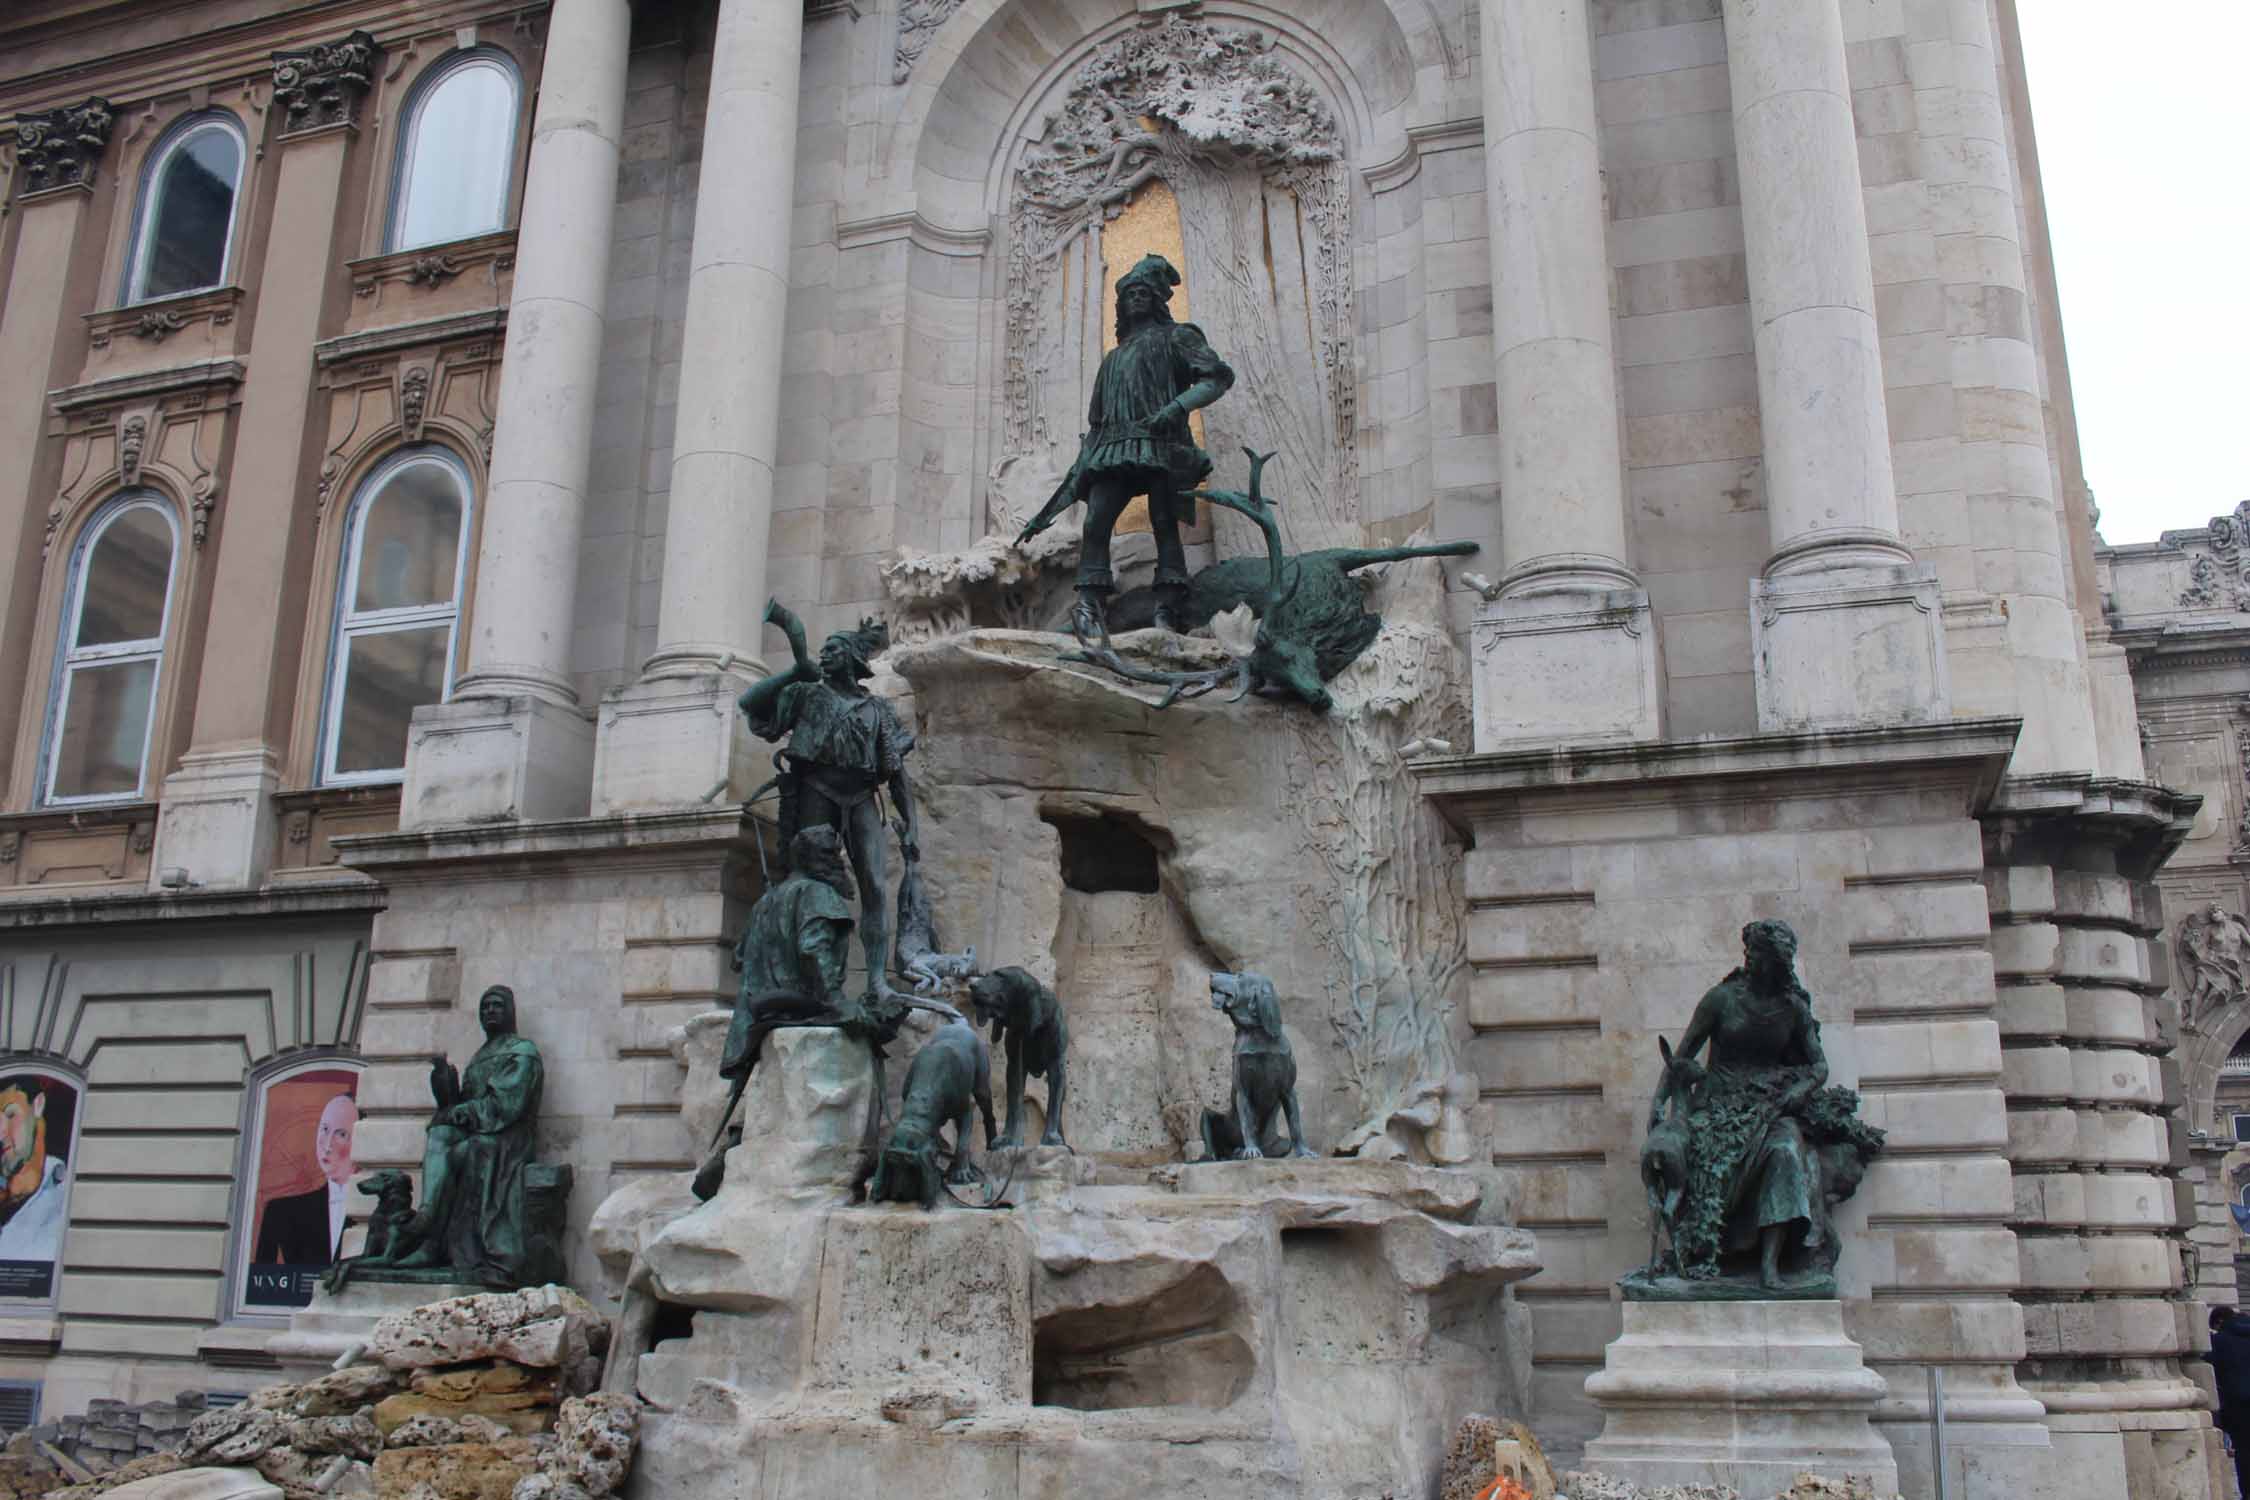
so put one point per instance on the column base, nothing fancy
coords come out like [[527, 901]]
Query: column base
[[667, 742], [1747, 1394], [216, 821], [491, 760], [1853, 648], [1570, 668]]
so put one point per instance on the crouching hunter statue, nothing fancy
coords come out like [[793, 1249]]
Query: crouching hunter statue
[[1749, 1154], [1138, 443]]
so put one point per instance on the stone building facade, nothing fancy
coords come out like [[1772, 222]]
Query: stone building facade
[[1726, 328]]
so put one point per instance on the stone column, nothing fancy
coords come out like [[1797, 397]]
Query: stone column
[[515, 743], [674, 737], [56, 153], [217, 818], [1580, 660], [1845, 626]]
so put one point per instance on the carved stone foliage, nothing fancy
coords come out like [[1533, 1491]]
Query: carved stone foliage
[[2219, 577], [2214, 947], [382, 391], [918, 21], [323, 84], [1254, 157], [59, 147]]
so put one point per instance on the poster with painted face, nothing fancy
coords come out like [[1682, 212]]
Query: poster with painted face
[[300, 1184], [38, 1124]]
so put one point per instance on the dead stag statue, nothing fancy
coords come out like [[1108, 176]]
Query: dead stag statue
[[1313, 619]]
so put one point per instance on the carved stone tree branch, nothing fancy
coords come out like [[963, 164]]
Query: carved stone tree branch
[[1254, 157]]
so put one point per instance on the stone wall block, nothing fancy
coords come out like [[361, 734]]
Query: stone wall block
[[2050, 1199]]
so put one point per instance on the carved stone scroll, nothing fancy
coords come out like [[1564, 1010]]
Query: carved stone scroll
[[60, 147], [323, 84]]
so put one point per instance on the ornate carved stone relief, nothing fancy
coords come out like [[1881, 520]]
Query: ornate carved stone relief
[[164, 430], [323, 84], [59, 147], [918, 21], [1244, 143], [2219, 578], [384, 390], [2214, 948]]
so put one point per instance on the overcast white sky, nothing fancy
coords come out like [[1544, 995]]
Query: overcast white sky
[[2143, 113]]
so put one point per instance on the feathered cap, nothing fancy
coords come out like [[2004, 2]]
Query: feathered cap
[[1155, 273]]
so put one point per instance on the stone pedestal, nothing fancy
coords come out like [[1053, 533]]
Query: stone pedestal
[[336, 1324], [1858, 647], [217, 819], [673, 742], [489, 760], [1747, 1394], [1566, 668]]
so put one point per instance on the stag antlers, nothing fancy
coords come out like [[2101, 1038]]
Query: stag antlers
[[1101, 653]]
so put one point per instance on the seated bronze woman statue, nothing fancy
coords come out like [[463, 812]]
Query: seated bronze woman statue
[[1749, 1152]]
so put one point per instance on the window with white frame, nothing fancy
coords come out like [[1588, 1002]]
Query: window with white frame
[[396, 611], [456, 156], [184, 231], [111, 653]]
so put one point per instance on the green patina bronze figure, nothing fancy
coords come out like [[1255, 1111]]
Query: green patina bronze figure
[[1138, 443], [1749, 1154], [844, 748], [792, 954], [490, 1215]]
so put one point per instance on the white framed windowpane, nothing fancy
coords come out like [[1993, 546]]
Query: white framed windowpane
[[456, 160], [128, 574], [188, 218], [104, 733], [386, 676], [410, 540]]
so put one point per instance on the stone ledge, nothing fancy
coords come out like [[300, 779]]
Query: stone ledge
[[300, 898], [1461, 785], [656, 835]]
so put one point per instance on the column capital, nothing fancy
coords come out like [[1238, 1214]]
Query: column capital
[[59, 148], [322, 85]]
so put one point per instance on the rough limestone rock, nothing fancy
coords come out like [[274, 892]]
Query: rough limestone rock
[[498, 1378], [1468, 1459], [550, 1326], [591, 1453], [1584, 1485], [1245, 836], [423, 1432], [355, 1435], [459, 1471], [338, 1393], [233, 1435], [520, 1412], [179, 1483]]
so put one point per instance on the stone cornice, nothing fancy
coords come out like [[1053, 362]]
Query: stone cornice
[[202, 373], [857, 233], [687, 837], [376, 342], [299, 899], [1978, 750]]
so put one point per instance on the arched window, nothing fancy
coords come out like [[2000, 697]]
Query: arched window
[[395, 611], [185, 228], [112, 652], [456, 156]]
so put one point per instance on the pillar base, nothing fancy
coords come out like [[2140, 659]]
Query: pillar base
[[217, 819], [1566, 668], [1748, 1394], [674, 742], [489, 760], [1852, 648]]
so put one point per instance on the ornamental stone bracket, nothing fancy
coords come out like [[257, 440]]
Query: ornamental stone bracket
[[59, 148], [2219, 574], [322, 85]]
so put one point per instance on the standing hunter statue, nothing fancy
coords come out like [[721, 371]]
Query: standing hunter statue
[[1137, 443], [846, 747]]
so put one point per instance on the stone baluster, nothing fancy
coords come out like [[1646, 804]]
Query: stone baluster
[[1579, 660], [670, 737], [1845, 626], [515, 742]]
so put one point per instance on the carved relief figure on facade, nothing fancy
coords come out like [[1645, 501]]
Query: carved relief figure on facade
[[2214, 946]]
